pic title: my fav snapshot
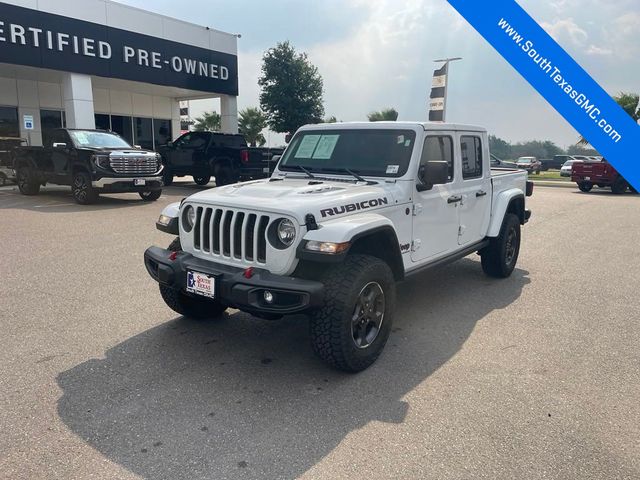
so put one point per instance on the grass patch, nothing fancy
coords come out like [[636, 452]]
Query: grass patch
[[552, 175]]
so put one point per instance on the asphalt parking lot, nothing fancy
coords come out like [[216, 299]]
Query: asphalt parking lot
[[536, 376]]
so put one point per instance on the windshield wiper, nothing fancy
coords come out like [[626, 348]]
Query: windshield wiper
[[346, 170], [301, 168]]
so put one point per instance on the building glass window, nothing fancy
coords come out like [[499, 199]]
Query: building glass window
[[143, 132], [103, 121], [161, 132], [50, 120], [123, 127], [9, 126]]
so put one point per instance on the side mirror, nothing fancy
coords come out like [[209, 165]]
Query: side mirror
[[137, 147], [59, 145], [169, 143], [432, 173]]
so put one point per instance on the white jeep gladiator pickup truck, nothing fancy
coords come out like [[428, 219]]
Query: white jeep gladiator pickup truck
[[350, 210]]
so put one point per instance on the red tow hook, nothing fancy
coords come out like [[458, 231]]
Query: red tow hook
[[173, 256], [248, 273]]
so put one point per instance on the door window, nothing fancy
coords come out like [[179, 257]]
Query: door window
[[9, 122], [471, 148], [440, 149]]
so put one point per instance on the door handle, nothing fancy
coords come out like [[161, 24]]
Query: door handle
[[454, 199], [481, 193]]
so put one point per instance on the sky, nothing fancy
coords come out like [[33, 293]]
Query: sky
[[374, 54]]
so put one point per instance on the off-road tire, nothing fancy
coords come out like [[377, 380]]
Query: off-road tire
[[202, 180], [331, 331], [619, 186], [81, 189], [27, 184], [585, 187], [167, 177], [186, 305], [498, 260], [150, 195], [633, 190], [225, 176]]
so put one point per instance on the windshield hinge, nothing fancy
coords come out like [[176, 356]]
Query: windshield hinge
[[417, 209]]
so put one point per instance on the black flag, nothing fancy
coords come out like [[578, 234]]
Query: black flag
[[438, 94]]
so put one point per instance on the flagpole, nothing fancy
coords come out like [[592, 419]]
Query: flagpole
[[446, 61]]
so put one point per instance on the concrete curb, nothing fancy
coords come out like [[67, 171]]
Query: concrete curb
[[558, 183]]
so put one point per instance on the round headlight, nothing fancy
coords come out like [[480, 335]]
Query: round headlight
[[286, 232], [188, 218]]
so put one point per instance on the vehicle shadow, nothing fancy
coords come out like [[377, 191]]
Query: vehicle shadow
[[246, 397]]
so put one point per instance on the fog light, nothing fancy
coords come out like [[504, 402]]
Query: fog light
[[268, 296]]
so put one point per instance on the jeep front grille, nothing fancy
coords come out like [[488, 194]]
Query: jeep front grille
[[231, 234], [134, 165]]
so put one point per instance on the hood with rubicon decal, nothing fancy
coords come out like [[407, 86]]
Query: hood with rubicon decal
[[297, 197]]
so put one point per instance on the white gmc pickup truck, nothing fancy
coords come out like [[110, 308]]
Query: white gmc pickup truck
[[350, 210]]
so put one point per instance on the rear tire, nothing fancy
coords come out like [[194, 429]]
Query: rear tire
[[619, 186], [585, 186], [225, 176], [150, 195], [27, 184], [633, 190], [202, 180], [167, 177], [500, 257], [81, 189], [351, 329], [186, 305]]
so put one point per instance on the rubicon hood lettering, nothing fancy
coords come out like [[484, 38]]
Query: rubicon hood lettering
[[352, 207]]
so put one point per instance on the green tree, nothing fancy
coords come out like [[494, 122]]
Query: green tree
[[331, 119], [208, 122], [291, 89], [388, 114], [499, 147], [580, 150], [251, 122], [536, 148], [630, 103]]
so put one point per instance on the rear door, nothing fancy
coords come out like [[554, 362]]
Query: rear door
[[475, 187], [435, 212]]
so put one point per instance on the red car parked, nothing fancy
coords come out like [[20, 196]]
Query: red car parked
[[589, 173]]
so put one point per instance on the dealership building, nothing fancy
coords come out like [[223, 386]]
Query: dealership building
[[101, 64]]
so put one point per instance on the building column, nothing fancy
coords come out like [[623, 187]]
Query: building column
[[229, 114], [77, 94], [175, 119]]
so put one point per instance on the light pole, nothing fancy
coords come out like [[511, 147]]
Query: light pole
[[446, 61]]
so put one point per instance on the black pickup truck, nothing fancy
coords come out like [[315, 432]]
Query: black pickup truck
[[226, 157], [91, 162]]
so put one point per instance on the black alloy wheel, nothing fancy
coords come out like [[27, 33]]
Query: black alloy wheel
[[368, 315]]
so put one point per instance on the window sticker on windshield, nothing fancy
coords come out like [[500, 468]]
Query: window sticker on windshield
[[407, 143], [393, 169], [307, 146], [400, 139], [325, 147]]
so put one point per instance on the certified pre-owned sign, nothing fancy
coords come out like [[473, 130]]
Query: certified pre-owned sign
[[39, 39]]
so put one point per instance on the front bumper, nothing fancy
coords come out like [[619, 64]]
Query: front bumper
[[126, 184], [291, 295]]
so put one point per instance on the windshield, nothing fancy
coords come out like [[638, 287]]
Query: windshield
[[525, 160], [568, 163], [381, 153], [93, 139]]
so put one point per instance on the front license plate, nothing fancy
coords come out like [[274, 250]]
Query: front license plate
[[201, 284], [587, 178], [139, 182]]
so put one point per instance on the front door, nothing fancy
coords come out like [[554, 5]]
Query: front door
[[475, 189], [435, 220]]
